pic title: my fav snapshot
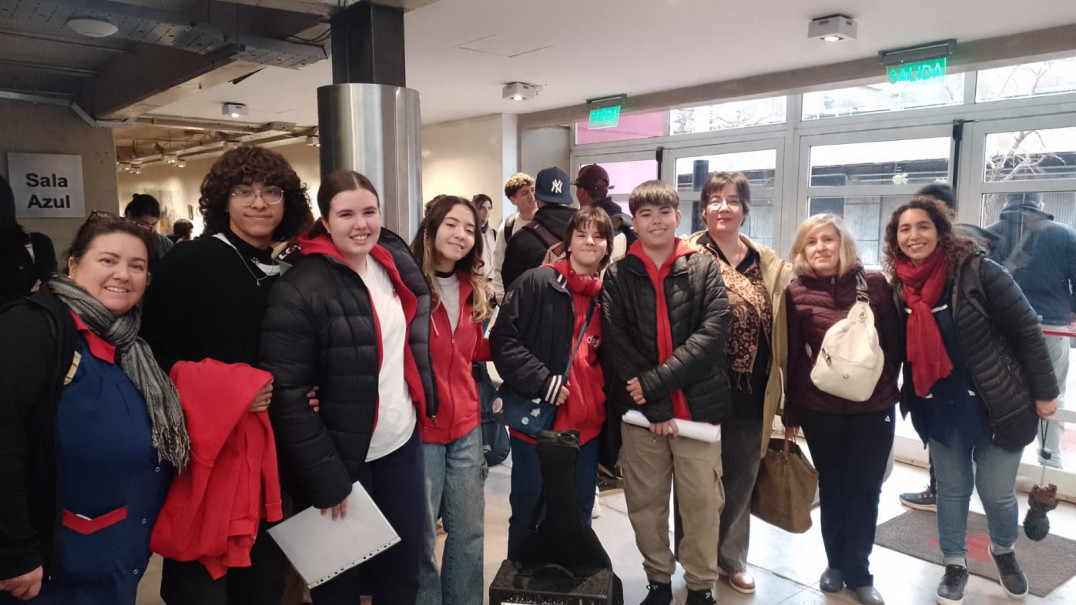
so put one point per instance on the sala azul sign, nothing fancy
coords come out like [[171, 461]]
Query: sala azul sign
[[917, 71], [47, 185]]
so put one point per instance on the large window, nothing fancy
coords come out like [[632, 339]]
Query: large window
[[865, 182], [884, 97], [1027, 80], [725, 116], [760, 168]]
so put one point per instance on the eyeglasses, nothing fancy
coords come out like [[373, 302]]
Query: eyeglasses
[[269, 195], [731, 203]]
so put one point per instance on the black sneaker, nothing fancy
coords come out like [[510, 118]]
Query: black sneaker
[[952, 585], [700, 597], [924, 500], [658, 594], [1013, 580]]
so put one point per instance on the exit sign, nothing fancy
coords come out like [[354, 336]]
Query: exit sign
[[917, 71], [606, 117]]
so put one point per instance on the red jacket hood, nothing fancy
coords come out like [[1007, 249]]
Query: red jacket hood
[[680, 249]]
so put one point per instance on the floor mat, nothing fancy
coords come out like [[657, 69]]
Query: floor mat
[[1047, 564]]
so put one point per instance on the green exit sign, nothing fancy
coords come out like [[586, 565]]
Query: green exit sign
[[917, 71], [606, 117]]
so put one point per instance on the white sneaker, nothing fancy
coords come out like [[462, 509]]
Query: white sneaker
[[596, 511]]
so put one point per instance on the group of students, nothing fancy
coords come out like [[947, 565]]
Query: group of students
[[358, 358]]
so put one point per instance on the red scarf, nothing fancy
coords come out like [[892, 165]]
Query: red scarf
[[584, 285], [923, 286]]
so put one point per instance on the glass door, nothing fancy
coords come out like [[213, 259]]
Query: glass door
[[1031, 162], [761, 162]]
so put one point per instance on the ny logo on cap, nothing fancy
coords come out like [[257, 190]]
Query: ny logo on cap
[[556, 185]]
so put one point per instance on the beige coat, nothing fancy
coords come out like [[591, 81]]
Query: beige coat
[[776, 273]]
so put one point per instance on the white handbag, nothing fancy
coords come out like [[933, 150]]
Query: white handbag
[[850, 360]]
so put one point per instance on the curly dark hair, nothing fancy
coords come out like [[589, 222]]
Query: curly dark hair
[[244, 166], [956, 246]]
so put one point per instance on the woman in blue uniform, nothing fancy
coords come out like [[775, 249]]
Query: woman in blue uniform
[[91, 429]]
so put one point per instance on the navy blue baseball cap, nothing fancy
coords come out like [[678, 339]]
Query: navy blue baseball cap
[[553, 186]]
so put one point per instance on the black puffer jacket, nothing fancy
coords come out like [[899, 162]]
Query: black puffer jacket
[[320, 330], [698, 310], [1001, 341]]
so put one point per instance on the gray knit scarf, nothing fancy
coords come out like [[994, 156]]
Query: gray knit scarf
[[170, 437]]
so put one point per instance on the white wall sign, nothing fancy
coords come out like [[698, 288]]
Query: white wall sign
[[47, 185]]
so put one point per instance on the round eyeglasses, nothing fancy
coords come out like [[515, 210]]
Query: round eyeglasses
[[270, 195]]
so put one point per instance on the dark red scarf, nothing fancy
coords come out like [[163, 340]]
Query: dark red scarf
[[922, 287], [584, 285]]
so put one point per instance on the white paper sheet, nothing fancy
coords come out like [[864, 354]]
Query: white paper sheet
[[320, 548], [701, 431]]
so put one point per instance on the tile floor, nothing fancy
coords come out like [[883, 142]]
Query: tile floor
[[786, 566]]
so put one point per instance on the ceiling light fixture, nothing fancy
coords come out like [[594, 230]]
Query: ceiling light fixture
[[181, 164], [832, 28], [234, 110], [170, 158], [519, 91], [313, 141], [92, 27], [230, 145]]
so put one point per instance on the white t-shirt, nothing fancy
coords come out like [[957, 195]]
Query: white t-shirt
[[499, 251], [448, 288], [395, 412]]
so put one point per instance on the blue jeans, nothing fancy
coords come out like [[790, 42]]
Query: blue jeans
[[527, 487], [455, 479], [993, 475]]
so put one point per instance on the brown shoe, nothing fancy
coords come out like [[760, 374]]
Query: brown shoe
[[742, 582]]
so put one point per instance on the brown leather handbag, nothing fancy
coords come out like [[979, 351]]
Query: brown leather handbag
[[785, 487]]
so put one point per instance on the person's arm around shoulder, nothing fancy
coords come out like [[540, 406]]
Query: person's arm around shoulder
[[704, 350], [289, 351], [27, 356]]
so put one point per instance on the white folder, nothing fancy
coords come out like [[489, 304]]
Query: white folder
[[321, 549]]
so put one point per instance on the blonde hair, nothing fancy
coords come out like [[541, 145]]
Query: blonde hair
[[847, 255]]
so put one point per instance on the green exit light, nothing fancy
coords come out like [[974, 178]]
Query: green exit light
[[606, 117], [914, 72]]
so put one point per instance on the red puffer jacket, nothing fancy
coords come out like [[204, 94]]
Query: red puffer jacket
[[814, 304], [452, 353]]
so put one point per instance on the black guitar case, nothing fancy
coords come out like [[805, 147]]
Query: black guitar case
[[561, 558]]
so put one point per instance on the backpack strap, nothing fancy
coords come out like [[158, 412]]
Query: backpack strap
[[553, 244]]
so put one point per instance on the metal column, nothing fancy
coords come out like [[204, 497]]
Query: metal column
[[367, 120]]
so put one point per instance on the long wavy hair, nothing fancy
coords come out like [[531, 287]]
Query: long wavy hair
[[244, 166], [471, 264], [956, 246]]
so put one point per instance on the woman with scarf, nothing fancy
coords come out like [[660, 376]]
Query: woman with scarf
[[849, 440], [91, 428], [755, 279], [977, 379], [540, 320]]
